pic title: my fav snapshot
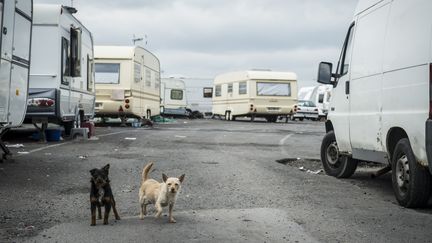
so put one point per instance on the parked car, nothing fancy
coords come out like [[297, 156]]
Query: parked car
[[381, 106], [306, 109]]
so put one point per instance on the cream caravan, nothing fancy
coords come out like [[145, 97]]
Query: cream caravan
[[127, 82], [253, 94], [61, 88], [16, 25]]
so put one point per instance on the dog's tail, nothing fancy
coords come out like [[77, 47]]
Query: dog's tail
[[146, 171]]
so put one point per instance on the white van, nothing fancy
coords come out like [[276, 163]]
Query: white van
[[381, 106], [16, 30], [173, 97], [61, 76], [255, 94], [127, 82]]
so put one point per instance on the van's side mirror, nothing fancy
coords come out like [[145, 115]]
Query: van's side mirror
[[325, 73]]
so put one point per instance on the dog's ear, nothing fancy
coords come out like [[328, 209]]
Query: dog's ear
[[164, 177], [92, 172], [181, 178], [106, 168]]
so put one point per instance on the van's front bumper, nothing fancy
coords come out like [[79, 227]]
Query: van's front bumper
[[429, 143]]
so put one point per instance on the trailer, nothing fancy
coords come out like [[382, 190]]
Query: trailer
[[16, 18], [173, 97], [253, 94], [127, 82], [62, 75]]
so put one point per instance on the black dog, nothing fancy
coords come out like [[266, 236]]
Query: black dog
[[101, 195]]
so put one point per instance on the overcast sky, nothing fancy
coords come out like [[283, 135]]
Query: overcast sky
[[203, 38]]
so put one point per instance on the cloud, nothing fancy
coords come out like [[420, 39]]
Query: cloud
[[207, 37]]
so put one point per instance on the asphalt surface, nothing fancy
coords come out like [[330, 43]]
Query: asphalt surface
[[245, 182]]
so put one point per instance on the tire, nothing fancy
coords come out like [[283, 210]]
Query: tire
[[335, 164], [301, 118], [411, 181], [233, 118]]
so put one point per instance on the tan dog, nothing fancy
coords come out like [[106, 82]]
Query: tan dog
[[160, 194]]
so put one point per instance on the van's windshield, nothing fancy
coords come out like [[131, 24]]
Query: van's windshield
[[107, 73], [273, 89]]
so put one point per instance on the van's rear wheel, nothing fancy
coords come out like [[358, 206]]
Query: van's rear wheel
[[334, 163], [411, 181]]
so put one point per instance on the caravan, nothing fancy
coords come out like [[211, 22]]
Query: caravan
[[255, 94], [16, 25], [127, 82], [173, 97], [61, 77]]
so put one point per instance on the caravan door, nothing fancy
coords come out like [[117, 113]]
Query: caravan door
[[16, 25]]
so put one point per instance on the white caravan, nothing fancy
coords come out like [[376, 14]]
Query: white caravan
[[381, 106], [320, 95], [173, 97], [127, 82], [253, 94], [16, 30], [61, 76], [199, 92]]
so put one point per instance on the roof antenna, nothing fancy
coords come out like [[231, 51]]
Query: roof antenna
[[136, 39]]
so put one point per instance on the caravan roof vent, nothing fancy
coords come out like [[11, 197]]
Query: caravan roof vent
[[71, 10]]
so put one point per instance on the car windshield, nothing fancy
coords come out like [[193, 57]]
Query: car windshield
[[306, 103]]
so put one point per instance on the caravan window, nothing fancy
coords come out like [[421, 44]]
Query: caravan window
[[107, 73], [76, 52], [242, 88], [90, 73], [230, 88], [137, 72], [176, 94], [208, 92], [273, 89], [148, 78], [65, 65], [320, 98], [218, 91]]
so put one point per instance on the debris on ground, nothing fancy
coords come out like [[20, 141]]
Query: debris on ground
[[130, 138], [19, 145], [23, 152], [82, 156], [179, 136]]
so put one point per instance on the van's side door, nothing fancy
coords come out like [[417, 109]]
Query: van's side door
[[366, 83], [339, 107]]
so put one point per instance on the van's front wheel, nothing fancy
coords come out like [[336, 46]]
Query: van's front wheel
[[334, 163], [411, 181]]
